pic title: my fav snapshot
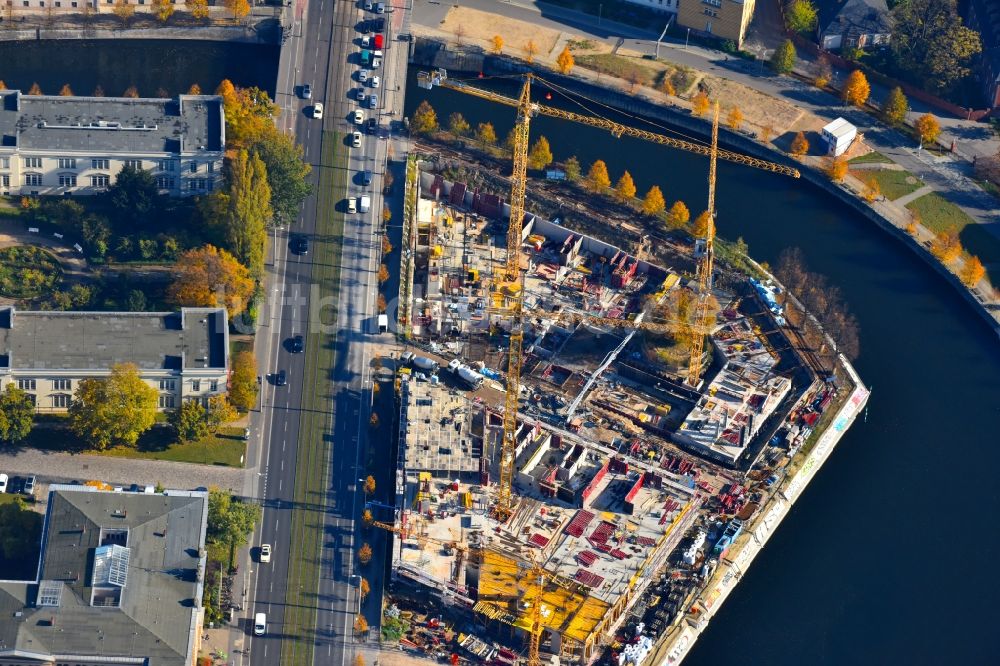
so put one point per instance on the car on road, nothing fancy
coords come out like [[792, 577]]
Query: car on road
[[360, 94], [366, 42], [375, 82], [369, 5], [300, 245], [376, 63], [298, 344], [307, 91], [362, 75], [356, 139], [366, 177], [364, 27], [380, 8], [372, 126], [265, 553], [372, 101], [359, 117], [259, 624], [318, 110], [352, 206], [379, 41], [281, 378]]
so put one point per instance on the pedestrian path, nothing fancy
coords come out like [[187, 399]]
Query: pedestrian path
[[914, 195]]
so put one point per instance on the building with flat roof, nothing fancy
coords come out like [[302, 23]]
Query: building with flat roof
[[184, 355], [119, 582], [77, 145], [839, 135]]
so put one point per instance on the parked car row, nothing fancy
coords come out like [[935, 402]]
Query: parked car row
[[17, 485]]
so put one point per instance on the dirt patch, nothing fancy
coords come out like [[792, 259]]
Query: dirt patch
[[472, 25]]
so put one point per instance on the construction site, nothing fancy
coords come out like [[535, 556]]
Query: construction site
[[584, 435]]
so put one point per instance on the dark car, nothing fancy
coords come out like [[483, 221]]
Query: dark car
[[300, 245], [372, 125], [366, 177], [364, 27], [281, 378], [298, 344]]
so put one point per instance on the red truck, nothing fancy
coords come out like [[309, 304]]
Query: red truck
[[379, 40]]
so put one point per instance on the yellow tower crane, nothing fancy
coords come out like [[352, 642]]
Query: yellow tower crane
[[508, 296]]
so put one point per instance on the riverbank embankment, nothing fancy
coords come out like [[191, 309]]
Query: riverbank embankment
[[433, 53]]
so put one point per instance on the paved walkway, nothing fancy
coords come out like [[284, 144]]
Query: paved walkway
[[52, 466], [915, 194]]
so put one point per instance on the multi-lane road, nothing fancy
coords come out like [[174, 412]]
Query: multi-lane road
[[321, 50]]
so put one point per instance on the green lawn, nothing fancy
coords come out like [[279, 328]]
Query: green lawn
[[893, 184], [225, 447], [938, 214], [298, 629], [873, 157], [619, 66], [9, 498]]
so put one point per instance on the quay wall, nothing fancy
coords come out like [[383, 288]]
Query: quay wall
[[259, 34], [431, 53]]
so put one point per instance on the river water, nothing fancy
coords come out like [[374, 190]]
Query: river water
[[888, 556]]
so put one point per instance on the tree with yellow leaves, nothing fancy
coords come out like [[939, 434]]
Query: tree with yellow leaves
[[678, 215], [360, 624], [699, 228], [199, 8], [856, 89], [530, 49], [946, 246], [238, 8], [3, 86], [625, 188], [598, 179], [972, 272], [243, 381], [653, 203], [114, 410], [497, 44], [207, 276], [66, 91], [132, 92], [699, 103], [364, 588], [667, 87], [872, 190], [735, 118], [35, 89], [365, 554], [565, 61], [163, 10], [927, 128], [370, 485], [800, 145], [540, 155], [124, 10], [836, 168]]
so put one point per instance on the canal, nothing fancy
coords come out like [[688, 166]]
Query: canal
[[149, 65], [878, 562]]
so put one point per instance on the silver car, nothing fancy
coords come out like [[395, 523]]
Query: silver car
[[372, 101]]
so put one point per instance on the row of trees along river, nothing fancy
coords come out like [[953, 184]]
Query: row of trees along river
[[870, 567]]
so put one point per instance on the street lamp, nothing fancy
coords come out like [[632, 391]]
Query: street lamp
[[686, 37]]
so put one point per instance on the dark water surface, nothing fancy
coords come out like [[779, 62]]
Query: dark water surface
[[147, 64], [888, 557]]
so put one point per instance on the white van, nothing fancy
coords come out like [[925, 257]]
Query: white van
[[364, 203], [259, 624], [352, 206]]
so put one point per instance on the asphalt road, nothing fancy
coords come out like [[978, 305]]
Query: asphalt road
[[321, 50]]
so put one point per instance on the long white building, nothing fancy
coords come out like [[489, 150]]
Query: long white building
[[183, 355], [52, 145]]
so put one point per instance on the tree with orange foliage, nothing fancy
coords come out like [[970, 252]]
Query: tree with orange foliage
[[856, 89], [365, 554], [946, 246], [800, 145], [735, 118], [66, 91], [497, 44], [699, 103], [132, 92], [195, 89], [927, 128], [199, 8], [565, 61], [208, 276], [836, 168], [238, 8], [972, 272], [35, 89], [872, 190]]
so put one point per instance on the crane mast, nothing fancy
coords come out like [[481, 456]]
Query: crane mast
[[706, 250]]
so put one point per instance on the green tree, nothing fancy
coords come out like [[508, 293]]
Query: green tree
[[653, 203], [287, 173], [230, 521], [189, 421], [249, 211], [930, 44], [134, 201], [895, 108], [16, 414], [598, 179], [540, 155], [801, 15], [424, 120], [243, 382], [783, 58], [485, 134], [457, 124], [572, 169], [136, 301], [625, 188], [113, 411]]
